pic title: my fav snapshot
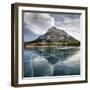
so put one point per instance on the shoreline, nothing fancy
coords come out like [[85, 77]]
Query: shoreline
[[49, 46]]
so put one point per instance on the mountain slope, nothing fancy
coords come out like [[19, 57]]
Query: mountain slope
[[55, 36]]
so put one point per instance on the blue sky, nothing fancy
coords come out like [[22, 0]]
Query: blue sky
[[36, 24]]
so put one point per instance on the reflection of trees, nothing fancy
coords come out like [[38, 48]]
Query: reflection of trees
[[53, 55]]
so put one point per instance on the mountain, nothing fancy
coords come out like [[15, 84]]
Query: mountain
[[55, 36]]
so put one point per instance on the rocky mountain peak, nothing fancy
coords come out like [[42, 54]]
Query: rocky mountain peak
[[53, 29], [55, 35]]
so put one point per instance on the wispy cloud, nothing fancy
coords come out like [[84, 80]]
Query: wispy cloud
[[37, 22], [69, 22]]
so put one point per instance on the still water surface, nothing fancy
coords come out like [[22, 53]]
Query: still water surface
[[52, 61]]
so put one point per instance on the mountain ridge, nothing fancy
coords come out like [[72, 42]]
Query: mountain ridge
[[55, 36]]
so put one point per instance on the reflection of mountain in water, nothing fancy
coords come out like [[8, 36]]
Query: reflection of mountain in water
[[53, 55], [51, 61]]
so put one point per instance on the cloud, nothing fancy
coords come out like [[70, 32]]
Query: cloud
[[38, 22], [69, 22], [29, 35]]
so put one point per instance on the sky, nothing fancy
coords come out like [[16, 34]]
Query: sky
[[38, 23]]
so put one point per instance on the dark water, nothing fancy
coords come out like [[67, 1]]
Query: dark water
[[51, 61]]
